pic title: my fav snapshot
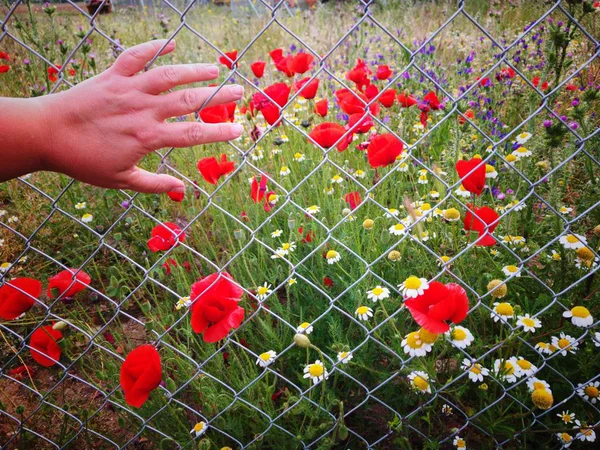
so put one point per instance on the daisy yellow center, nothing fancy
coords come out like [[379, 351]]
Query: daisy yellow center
[[413, 340], [563, 343], [528, 322], [521, 150], [587, 431], [285, 169], [462, 188], [524, 364], [476, 369], [362, 310], [580, 311], [504, 309], [552, 348], [315, 370], [509, 369], [542, 398], [425, 207], [304, 325], [566, 437], [445, 258], [460, 443], [265, 356], [420, 383], [512, 269], [336, 177], [459, 334], [511, 158], [451, 213], [286, 246], [377, 291], [343, 355], [591, 391], [298, 155], [427, 337], [331, 254], [399, 227], [262, 290], [566, 418], [538, 385], [585, 253], [489, 168], [572, 239], [412, 282], [272, 197], [198, 427]]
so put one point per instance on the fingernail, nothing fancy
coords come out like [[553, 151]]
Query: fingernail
[[237, 90], [180, 189], [212, 71], [237, 129]]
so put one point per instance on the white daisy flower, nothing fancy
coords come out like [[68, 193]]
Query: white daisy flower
[[311, 210], [378, 293], [565, 210], [596, 338], [462, 192], [390, 213], [288, 247], [585, 433], [332, 256], [565, 439], [422, 179], [534, 383], [266, 359], [80, 205], [460, 337], [328, 190], [511, 270], [183, 302], [490, 172], [398, 229], [5, 266], [87, 218], [459, 443], [337, 179], [507, 369], [526, 368], [502, 311], [403, 167], [13, 219], [523, 137], [566, 417], [263, 291], [528, 323], [344, 357], [589, 391], [316, 372], [565, 343], [305, 328], [573, 241], [522, 152], [476, 370], [299, 157], [580, 316], [284, 171], [434, 194], [279, 253], [360, 173], [199, 429], [363, 313], [419, 381], [413, 286], [276, 233], [413, 345], [555, 255]]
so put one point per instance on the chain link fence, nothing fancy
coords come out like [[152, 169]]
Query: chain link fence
[[339, 424]]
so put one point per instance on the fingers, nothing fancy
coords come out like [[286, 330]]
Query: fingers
[[134, 59], [187, 101], [141, 180], [187, 134], [163, 78]]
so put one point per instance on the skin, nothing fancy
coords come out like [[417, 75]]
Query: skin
[[98, 131]]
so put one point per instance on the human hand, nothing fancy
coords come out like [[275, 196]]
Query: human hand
[[100, 129]]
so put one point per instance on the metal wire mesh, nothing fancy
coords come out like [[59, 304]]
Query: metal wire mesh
[[532, 419]]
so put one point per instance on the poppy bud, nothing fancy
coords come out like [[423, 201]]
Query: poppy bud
[[368, 224], [145, 307], [498, 288], [292, 223], [60, 325], [302, 340], [394, 255]]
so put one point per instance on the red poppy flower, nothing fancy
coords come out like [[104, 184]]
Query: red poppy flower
[[258, 68], [506, 73], [359, 123], [302, 63], [485, 82], [431, 99], [44, 348], [257, 191], [307, 88], [4, 68], [383, 150], [353, 199], [62, 284], [215, 309], [371, 91], [229, 59], [473, 182], [268, 205], [218, 113], [383, 72], [211, 169], [322, 107], [13, 302], [359, 75], [406, 100], [20, 372], [326, 134], [307, 237], [571, 87], [53, 72], [328, 282], [484, 220], [176, 196], [167, 265], [5, 56], [469, 114], [387, 98], [284, 65], [438, 305], [165, 236], [268, 103], [276, 55], [141, 373], [351, 102]]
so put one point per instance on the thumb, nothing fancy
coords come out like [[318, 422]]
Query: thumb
[[146, 182]]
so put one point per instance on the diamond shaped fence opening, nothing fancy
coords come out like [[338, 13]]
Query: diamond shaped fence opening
[[405, 257]]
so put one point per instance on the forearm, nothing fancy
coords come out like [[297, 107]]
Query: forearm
[[24, 136]]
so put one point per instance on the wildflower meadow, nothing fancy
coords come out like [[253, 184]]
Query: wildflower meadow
[[400, 251]]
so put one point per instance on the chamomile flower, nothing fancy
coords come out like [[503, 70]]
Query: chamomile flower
[[585, 432], [522, 152], [80, 205], [263, 291], [299, 157], [555, 255], [328, 190], [526, 368], [523, 138], [513, 241], [332, 256], [266, 359], [279, 253], [390, 213], [462, 192], [5, 266], [199, 429], [565, 343], [422, 179], [566, 417], [305, 328], [419, 381], [360, 173], [573, 241], [459, 443], [276, 233], [378, 293], [363, 313], [398, 229], [344, 357], [316, 372], [451, 214], [288, 247], [434, 194], [284, 171], [511, 270], [460, 337], [565, 439], [446, 410], [589, 391], [413, 345], [580, 316], [292, 281], [507, 369], [312, 210], [490, 172], [565, 210], [413, 286], [403, 167], [502, 311], [337, 179], [13, 219], [87, 218], [183, 302], [528, 323], [476, 370], [443, 260]]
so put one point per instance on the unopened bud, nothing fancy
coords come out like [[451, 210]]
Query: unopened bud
[[368, 224], [302, 340], [60, 325]]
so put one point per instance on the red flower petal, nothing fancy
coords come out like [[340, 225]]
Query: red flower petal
[[141, 373], [13, 302], [63, 283], [472, 174], [44, 348]]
